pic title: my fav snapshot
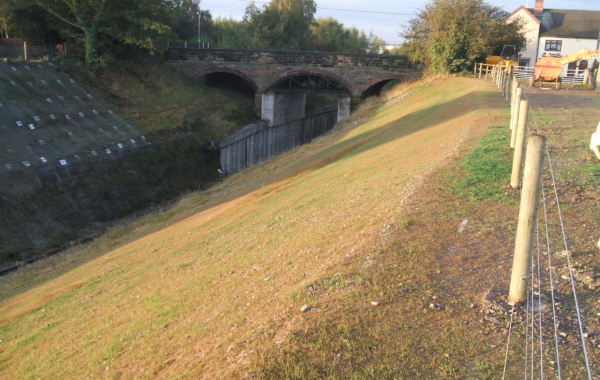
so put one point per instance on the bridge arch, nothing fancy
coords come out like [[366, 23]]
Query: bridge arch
[[202, 75], [374, 86], [339, 85]]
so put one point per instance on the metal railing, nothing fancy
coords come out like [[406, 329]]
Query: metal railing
[[523, 73], [189, 45]]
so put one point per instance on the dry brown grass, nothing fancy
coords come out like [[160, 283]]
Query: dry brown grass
[[204, 296]]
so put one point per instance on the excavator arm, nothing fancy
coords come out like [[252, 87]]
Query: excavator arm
[[581, 54]]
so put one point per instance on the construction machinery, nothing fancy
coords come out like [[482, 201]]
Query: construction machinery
[[505, 59], [548, 69]]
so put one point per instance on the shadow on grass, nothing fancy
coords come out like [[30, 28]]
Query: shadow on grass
[[414, 122]]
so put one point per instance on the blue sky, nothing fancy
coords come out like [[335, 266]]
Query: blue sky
[[386, 25]]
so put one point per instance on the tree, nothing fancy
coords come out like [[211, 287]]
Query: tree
[[140, 23], [450, 36], [282, 24], [5, 20], [184, 20], [331, 35]]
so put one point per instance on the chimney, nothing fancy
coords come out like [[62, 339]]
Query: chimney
[[539, 8]]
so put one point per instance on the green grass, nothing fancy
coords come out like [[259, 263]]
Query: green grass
[[487, 169]]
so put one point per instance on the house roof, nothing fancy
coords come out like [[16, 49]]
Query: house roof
[[527, 11], [569, 23]]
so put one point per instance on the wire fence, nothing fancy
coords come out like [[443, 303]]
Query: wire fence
[[542, 277]]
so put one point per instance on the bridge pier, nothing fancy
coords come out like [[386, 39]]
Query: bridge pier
[[344, 107], [280, 108]]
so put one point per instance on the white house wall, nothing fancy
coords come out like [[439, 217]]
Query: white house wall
[[532, 31]]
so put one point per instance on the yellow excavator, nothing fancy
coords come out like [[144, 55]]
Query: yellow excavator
[[548, 69], [506, 58]]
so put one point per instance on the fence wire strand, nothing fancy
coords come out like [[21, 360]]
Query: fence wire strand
[[564, 235]]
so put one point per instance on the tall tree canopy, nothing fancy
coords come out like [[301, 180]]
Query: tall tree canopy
[[330, 35], [452, 35], [140, 23], [281, 24]]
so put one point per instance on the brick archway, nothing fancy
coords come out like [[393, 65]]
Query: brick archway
[[217, 70], [290, 73], [378, 80]]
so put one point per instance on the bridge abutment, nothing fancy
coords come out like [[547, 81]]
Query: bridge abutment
[[280, 108]]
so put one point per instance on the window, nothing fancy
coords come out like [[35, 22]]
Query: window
[[553, 45]]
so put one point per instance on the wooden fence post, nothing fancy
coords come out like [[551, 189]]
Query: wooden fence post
[[513, 96], [514, 119], [530, 195], [586, 77], [487, 70], [521, 120], [509, 82], [25, 50], [519, 145]]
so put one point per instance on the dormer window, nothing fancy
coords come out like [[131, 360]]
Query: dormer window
[[553, 45]]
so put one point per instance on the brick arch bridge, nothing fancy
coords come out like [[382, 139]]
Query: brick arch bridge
[[350, 75]]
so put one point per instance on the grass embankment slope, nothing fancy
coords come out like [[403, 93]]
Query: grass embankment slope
[[162, 102], [334, 225]]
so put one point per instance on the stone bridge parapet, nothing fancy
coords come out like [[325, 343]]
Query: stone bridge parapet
[[262, 68]]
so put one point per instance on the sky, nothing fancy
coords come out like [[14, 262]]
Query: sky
[[390, 15]]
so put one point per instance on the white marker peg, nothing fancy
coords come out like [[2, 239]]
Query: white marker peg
[[63, 162], [94, 153], [43, 159], [101, 129], [115, 128], [133, 141], [41, 142], [110, 112], [51, 64], [8, 166], [36, 118], [19, 124], [40, 66], [44, 82], [52, 116], [72, 80], [68, 117], [81, 114], [13, 68], [71, 134], [31, 126], [30, 84], [27, 68], [61, 97], [0, 104], [95, 112], [27, 163], [59, 81], [13, 83], [120, 145], [77, 97], [143, 137], [77, 157], [107, 151], [49, 100], [89, 96]]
